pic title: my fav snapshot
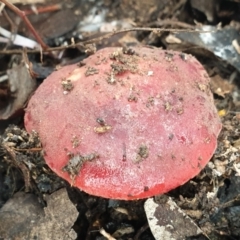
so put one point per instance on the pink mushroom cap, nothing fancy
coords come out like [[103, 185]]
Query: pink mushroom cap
[[126, 123]]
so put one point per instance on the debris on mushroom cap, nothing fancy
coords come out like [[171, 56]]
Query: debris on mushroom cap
[[136, 123]]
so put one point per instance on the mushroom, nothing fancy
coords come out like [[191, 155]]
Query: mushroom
[[126, 123]]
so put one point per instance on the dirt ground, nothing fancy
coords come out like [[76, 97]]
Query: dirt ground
[[37, 204]]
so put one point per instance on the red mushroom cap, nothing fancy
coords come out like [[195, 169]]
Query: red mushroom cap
[[126, 123]]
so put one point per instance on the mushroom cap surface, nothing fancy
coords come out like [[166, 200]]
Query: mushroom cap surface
[[126, 123]]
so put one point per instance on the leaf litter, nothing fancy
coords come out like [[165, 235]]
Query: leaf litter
[[211, 199]]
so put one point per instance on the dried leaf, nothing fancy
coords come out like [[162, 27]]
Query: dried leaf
[[168, 221], [22, 217], [20, 86]]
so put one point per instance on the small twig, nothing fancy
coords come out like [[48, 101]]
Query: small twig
[[106, 235], [27, 150], [229, 203], [140, 231], [2, 6], [12, 24], [105, 36], [51, 8], [14, 179], [144, 29], [13, 28], [19, 164], [28, 64], [25, 19], [171, 22]]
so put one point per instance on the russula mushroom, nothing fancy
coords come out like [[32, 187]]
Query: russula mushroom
[[126, 123]]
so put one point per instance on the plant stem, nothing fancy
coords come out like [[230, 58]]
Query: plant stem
[[22, 15]]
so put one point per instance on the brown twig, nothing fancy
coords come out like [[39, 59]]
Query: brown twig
[[17, 162], [140, 231], [51, 8], [13, 28], [105, 36], [27, 150], [144, 29], [27, 22], [172, 23]]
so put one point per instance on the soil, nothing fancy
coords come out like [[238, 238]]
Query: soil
[[211, 199]]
